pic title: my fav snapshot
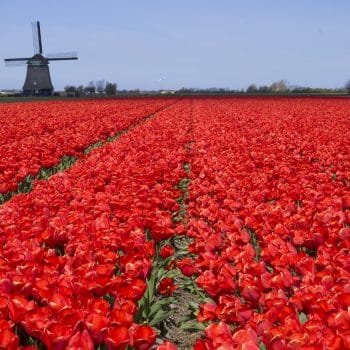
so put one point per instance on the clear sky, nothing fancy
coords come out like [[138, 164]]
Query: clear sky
[[154, 44]]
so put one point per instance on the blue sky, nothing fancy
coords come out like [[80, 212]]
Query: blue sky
[[153, 44]]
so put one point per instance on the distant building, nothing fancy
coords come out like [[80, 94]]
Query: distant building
[[165, 92], [10, 92]]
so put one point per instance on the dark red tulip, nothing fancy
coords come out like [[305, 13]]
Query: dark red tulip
[[167, 286]]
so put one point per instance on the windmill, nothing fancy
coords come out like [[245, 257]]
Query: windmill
[[38, 80]]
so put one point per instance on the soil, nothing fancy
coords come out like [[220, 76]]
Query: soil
[[183, 339]]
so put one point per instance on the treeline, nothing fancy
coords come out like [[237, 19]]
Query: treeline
[[282, 87], [278, 87], [98, 87]]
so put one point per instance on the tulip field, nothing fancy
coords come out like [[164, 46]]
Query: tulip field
[[175, 223]]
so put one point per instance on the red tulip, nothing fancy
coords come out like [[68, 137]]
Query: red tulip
[[208, 282], [118, 338], [121, 317], [203, 345], [96, 324], [135, 290], [167, 287], [207, 312], [220, 329], [8, 340], [81, 340], [167, 346], [187, 267], [56, 336], [166, 251], [144, 337]]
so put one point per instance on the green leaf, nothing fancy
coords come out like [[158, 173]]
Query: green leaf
[[302, 318], [159, 305], [269, 268], [186, 318], [172, 273], [110, 298], [193, 326], [160, 274], [102, 347], [262, 346], [208, 300], [151, 285], [193, 306], [167, 261], [160, 316]]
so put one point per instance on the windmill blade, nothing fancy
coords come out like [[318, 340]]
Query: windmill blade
[[38, 48], [14, 62], [62, 56]]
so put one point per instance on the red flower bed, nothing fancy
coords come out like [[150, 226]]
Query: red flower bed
[[268, 210], [74, 255], [270, 215], [36, 135]]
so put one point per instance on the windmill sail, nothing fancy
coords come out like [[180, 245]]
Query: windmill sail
[[14, 62], [38, 48], [61, 56]]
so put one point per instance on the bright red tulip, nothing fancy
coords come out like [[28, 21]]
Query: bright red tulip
[[80, 340], [8, 340], [166, 251], [187, 267], [144, 337], [118, 338], [167, 346]]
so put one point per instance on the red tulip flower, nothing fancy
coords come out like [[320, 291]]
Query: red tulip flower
[[166, 251], [187, 267], [81, 340], [167, 286], [167, 346], [144, 337], [118, 338]]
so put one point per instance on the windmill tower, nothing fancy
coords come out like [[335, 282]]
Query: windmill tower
[[38, 80]]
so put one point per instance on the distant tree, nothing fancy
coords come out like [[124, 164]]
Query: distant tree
[[212, 89], [80, 90], [100, 86], [187, 90], [347, 86], [90, 88], [110, 88], [251, 89], [279, 86], [302, 90], [70, 90], [264, 89]]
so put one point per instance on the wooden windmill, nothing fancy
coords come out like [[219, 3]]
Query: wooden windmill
[[38, 80]]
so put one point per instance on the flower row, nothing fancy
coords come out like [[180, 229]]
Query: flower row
[[75, 253], [37, 135], [269, 215]]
